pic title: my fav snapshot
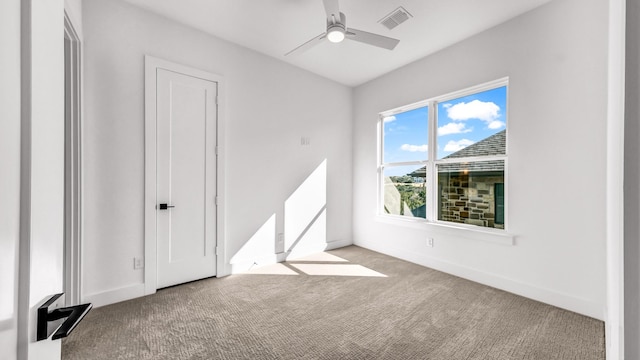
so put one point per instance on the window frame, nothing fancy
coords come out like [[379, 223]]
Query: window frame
[[431, 163]]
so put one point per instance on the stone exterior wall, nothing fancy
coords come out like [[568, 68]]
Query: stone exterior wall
[[469, 200]]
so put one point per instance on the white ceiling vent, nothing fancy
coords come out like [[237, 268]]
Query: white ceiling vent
[[395, 18]]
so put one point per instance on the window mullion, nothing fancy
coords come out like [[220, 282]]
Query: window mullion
[[432, 186], [380, 156]]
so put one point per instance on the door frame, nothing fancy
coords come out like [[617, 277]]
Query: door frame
[[73, 168], [152, 64]]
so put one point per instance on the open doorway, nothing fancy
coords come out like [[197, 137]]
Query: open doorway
[[72, 164]]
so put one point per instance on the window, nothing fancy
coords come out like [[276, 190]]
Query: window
[[444, 159], [405, 154]]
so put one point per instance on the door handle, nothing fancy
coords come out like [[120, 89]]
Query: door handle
[[165, 206], [59, 321]]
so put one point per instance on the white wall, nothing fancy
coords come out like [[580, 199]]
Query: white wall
[[632, 186], [74, 11], [10, 179], [555, 57], [269, 106]]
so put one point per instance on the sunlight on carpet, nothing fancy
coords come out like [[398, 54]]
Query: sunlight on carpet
[[273, 269], [337, 270], [319, 257], [319, 264]]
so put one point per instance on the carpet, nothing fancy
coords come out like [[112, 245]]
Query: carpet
[[349, 303]]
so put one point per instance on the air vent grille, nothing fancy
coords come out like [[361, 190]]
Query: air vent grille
[[395, 18]]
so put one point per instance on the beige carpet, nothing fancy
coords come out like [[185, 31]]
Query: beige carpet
[[349, 304]]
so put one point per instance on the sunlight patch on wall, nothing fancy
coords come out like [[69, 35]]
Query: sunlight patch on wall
[[260, 244], [313, 240], [305, 214]]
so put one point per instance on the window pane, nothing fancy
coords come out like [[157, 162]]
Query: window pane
[[472, 193], [405, 191], [405, 136], [473, 125]]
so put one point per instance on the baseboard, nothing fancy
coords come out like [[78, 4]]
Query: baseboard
[[131, 292], [241, 267], [281, 257], [313, 250], [338, 244], [8, 324], [116, 295], [547, 296]]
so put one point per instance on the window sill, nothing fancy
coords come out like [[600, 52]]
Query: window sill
[[489, 235]]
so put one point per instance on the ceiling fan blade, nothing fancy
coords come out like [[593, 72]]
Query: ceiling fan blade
[[308, 45], [372, 39], [332, 8]]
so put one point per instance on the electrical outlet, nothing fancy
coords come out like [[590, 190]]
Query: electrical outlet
[[138, 263], [280, 238], [430, 242]]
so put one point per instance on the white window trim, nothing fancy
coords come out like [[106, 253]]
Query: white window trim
[[431, 223]]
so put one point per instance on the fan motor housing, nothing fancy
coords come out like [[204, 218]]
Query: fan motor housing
[[336, 29], [333, 22]]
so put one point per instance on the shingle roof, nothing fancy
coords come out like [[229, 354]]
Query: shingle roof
[[495, 144]]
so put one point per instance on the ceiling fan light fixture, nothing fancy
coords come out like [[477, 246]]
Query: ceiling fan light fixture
[[335, 34]]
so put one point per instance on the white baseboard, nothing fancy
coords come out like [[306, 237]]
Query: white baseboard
[[133, 291], [115, 295], [547, 296], [247, 265], [281, 257], [338, 244], [8, 324], [296, 253]]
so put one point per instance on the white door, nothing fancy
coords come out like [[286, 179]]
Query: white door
[[41, 174], [186, 178]]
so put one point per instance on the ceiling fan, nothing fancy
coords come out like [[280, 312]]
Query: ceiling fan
[[337, 31]]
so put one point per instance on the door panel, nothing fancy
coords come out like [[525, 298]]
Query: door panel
[[186, 163], [42, 174]]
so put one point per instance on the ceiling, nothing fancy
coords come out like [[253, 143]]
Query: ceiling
[[274, 27]]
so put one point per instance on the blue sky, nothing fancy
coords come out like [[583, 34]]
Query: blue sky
[[461, 122]]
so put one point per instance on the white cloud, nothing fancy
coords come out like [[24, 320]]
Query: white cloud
[[414, 148], [496, 124], [388, 119], [457, 145], [446, 106], [453, 128], [476, 109]]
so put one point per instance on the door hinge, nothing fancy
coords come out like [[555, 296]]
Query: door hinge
[[216, 100], [217, 250], [216, 151], [216, 200]]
